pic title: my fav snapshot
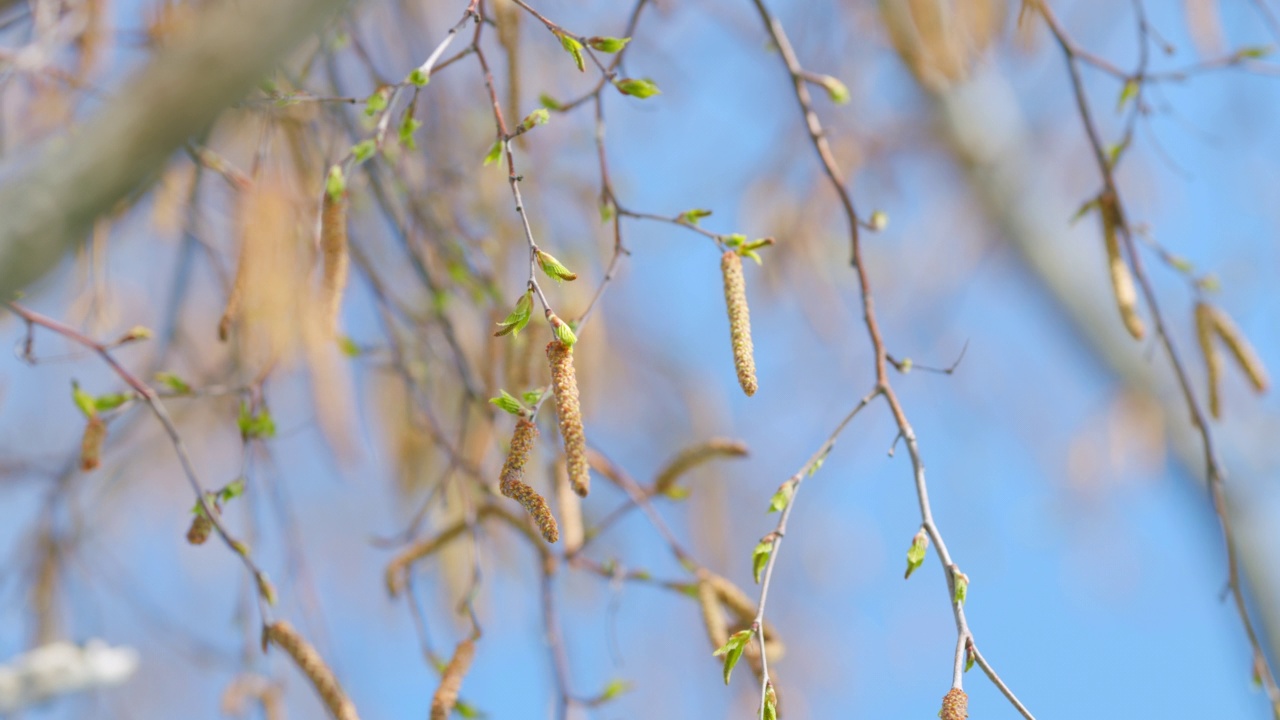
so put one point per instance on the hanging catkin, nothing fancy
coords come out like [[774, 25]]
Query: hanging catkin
[[282, 635], [735, 298], [95, 432], [446, 696], [512, 482], [1212, 360], [1121, 278], [565, 383], [333, 250]]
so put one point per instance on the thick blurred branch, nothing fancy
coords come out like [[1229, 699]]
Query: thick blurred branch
[[50, 196]]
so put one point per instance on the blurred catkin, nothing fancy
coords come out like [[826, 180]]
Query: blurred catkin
[[1212, 360], [735, 298], [446, 696], [333, 249], [1121, 278], [512, 482], [200, 530], [955, 705], [694, 456], [282, 635], [565, 383], [95, 432]]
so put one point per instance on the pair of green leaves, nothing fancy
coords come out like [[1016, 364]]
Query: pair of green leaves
[[510, 403], [91, 405], [573, 46], [255, 425], [739, 244], [227, 493], [519, 317]]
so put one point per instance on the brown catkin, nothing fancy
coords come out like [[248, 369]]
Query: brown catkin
[[1246, 357], [712, 615], [446, 696], [233, 300], [1121, 278], [512, 482], [735, 298], [333, 249], [282, 635], [693, 456], [955, 705], [565, 383], [95, 432], [1212, 360]]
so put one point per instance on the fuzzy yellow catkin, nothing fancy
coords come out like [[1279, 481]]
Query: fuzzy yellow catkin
[[565, 383], [512, 482], [1212, 360], [95, 432], [446, 696], [1121, 278], [282, 635], [333, 250], [955, 705], [735, 298], [1246, 357]]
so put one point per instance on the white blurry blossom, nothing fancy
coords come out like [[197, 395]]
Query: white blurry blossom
[[60, 668]]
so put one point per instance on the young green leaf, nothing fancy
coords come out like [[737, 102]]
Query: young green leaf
[[732, 651], [174, 382], [531, 397], [615, 688], [335, 184], [770, 702], [377, 102], [1254, 52], [836, 90], [408, 126], [348, 347], [231, 490], [608, 44], [968, 658], [693, 216], [563, 332], [915, 554], [518, 318], [466, 710], [1126, 93], [760, 556], [252, 425], [364, 149], [494, 154], [535, 118], [637, 87], [554, 268], [734, 241], [574, 48], [83, 400], [962, 585], [111, 401], [782, 497], [418, 78], [549, 102], [508, 402]]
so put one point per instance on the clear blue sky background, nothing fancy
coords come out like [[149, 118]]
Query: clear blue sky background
[[1098, 598]]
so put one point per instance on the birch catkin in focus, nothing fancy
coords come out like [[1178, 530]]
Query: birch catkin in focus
[[955, 705], [565, 383], [512, 482], [735, 298], [333, 249]]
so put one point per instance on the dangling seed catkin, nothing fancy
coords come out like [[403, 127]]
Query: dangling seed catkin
[[955, 705], [1212, 360], [512, 480], [735, 298], [1246, 357], [1121, 278], [95, 432], [333, 248], [282, 635], [565, 383], [446, 696]]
